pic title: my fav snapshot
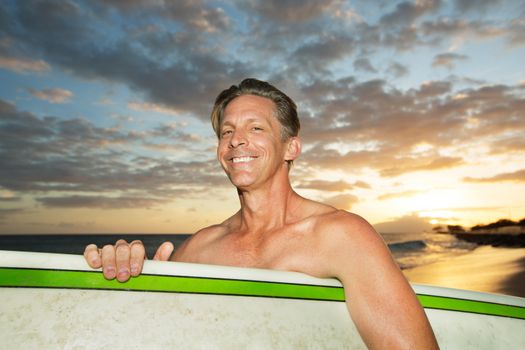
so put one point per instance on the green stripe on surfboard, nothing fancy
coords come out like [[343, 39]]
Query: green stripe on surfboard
[[473, 306], [154, 283], [39, 278]]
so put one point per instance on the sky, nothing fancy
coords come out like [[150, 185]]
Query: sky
[[412, 113]]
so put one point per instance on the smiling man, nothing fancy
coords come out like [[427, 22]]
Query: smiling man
[[275, 228]]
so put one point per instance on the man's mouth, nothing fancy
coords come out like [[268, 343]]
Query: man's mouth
[[242, 159]]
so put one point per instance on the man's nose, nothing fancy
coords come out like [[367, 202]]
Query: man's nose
[[238, 139]]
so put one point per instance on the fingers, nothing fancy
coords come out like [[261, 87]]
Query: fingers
[[92, 256], [164, 251], [122, 259], [109, 266], [137, 256]]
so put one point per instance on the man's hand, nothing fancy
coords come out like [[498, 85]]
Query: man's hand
[[124, 259]]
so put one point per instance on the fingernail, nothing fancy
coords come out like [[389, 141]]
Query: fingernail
[[95, 261], [110, 272], [123, 272], [134, 268]]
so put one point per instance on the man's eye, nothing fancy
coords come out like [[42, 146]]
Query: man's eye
[[226, 132], [258, 128]]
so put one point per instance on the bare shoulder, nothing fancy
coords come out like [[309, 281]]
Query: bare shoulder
[[348, 238], [190, 250], [336, 229], [330, 223], [209, 234], [353, 230], [346, 223]]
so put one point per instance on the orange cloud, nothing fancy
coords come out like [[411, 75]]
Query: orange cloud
[[23, 65], [55, 95], [517, 176]]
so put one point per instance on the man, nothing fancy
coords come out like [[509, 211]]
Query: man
[[275, 228]]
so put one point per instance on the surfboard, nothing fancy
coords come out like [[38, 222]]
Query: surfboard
[[57, 301]]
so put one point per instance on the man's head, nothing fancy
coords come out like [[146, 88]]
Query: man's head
[[285, 108]]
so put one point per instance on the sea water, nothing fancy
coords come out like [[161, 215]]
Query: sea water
[[415, 249], [76, 243], [409, 249]]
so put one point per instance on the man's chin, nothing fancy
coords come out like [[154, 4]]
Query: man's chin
[[242, 183]]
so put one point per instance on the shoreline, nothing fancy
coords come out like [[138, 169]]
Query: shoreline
[[484, 269], [493, 239]]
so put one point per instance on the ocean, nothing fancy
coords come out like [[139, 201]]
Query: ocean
[[409, 249], [416, 249]]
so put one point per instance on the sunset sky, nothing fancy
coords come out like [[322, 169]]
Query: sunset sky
[[413, 113]]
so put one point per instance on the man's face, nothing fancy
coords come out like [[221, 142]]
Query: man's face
[[250, 148]]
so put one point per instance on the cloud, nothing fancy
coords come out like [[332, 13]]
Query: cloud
[[152, 107], [342, 201], [477, 6], [397, 195], [406, 12], [9, 199], [406, 224], [516, 176], [174, 57], [289, 11], [516, 32], [397, 70], [77, 225], [323, 185], [23, 65], [447, 60], [363, 64], [422, 164], [350, 124], [14, 61], [512, 144], [362, 184], [457, 31], [194, 14], [6, 213], [103, 202], [73, 156], [55, 95], [317, 55], [8, 196], [434, 89], [104, 101], [182, 78], [181, 54]]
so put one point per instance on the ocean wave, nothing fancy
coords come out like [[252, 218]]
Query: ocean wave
[[406, 246], [428, 249]]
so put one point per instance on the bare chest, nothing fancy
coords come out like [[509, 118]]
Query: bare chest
[[291, 249]]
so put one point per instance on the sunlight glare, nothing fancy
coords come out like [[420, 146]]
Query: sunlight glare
[[434, 203]]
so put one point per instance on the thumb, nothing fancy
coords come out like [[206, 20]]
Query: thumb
[[164, 251]]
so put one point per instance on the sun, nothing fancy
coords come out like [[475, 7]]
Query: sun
[[437, 214]]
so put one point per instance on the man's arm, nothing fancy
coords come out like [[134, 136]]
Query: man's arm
[[380, 300]]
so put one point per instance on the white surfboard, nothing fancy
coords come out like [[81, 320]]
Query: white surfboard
[[55, 301]]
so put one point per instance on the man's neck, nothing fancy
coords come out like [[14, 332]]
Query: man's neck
[[267, 208]]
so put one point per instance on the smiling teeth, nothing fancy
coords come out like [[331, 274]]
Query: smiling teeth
[[242, 159]]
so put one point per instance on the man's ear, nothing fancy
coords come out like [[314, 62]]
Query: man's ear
[[294, 148]]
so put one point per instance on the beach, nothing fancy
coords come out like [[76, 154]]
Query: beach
[[485, 269]]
